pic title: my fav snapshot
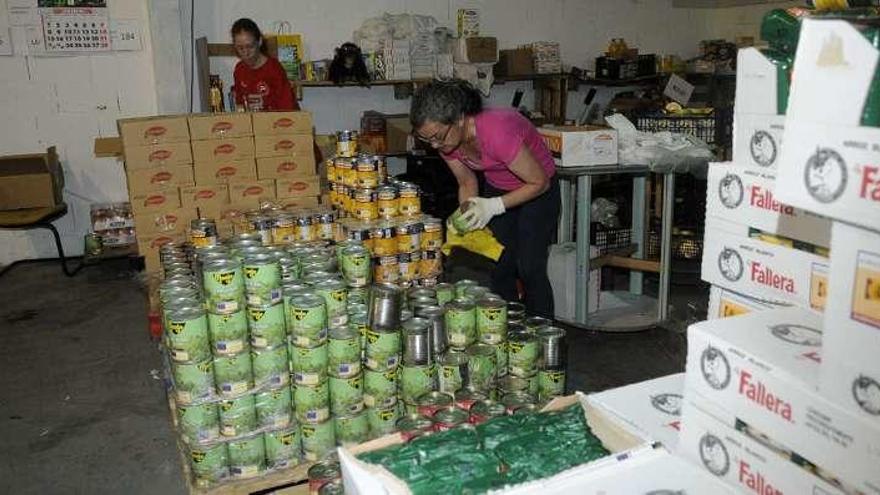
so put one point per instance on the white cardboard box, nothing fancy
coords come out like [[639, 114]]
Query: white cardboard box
[[741, 460], [763, 369], [724, 303], [832, 166], [764, 270], [757, 127], [652, 407], [851, 351], [581, 146], [745, 195]]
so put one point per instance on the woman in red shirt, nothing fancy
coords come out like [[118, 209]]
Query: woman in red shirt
[[258, 76]]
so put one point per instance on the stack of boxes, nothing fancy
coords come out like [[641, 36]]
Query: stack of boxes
[[213, 166]]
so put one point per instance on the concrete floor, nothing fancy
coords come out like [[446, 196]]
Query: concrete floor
[[81, 412]]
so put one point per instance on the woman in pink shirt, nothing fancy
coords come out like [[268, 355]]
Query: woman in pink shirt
[[520, 197]]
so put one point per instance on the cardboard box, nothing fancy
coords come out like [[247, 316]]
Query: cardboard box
[[157, 155], [758, 124], [282, 123], [158, 200], [150, 179], [162, 222], [398, 132], [517, 62], [745, 195], [763, 369], [284, 145], [581, 146], [223, 149], [108, 147], [297, 188], [220, 126], [725, 303], [476, 50], [652, 407], [210, 196], [148, 247], [760, 269], [251, 192], [361, 478], [833, 165], [741, 460], [300, 202], [31, 181], [851, 346], [225, 171], [286, 167], [144, 131]]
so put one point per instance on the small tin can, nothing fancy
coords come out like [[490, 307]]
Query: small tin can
[[346, 395], [466, 397], [344, 352], [322, 473], [523, 350], [461, 323], [445, 293], [352, 429], [380, 388], [366, 207], [414, 425], [491, 321], [409, 236], [449, 418], [481, 366], [382, 420], [347, 143], [388, 204], [514, 400], [311, 404], [282, 228], [330, 167], [383, 240], [453, 373], [409, 265], [318, 439], [368, 170], [340, 166], [408, 197], [432, 402], [325, 227], [432, 235], [431, 265], [386, 270], [485, 410], [355, 266], [203, 232], [304, 230]]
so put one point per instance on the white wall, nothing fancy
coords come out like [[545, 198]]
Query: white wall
[[67, 101], [730, 22]]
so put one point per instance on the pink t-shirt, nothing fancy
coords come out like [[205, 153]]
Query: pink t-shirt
[[500, 133]]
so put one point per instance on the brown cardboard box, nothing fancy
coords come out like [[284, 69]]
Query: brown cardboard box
[[162, 222], [150, 179], [148, 247], [517, 62], [31, 181], [210, 196], [220, 126], [300, 202], [223, 149], [297, 188], [251, 192], [286, 167], [283, 145], [224, 171], [482, 49], [398, 131], [280, 123], [144, 131], [155, 201], [157, 155], [108, 147]]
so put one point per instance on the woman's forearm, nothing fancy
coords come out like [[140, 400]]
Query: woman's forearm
[[524, 194], [467, 189]]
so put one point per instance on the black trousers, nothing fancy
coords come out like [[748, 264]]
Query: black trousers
[[526, 232]]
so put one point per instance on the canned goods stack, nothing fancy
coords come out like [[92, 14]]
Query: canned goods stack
[[283, 226], [386, 215]]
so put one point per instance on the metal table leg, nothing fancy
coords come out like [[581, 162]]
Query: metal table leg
[[582, 277], [638, 232], [666, 246]]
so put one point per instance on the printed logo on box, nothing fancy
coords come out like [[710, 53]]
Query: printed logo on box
[[160, 241], [715, 368], [167, 221], [160, 178], [224, 149], [221, 127], [714, 455], [763, 149], [155, 200], [668, 403], [283, 123], [226, 172], [866, 392], [159, 156], [284, 144], [797, 334], [825, 175], [730, 191], [730, 264], [297, 186], [286, 167], [155, 131], [252, 191], [204, 194]]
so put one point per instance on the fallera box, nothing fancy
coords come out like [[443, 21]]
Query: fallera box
[[157, 155], [745, 195], [851, 353], [724, 303], [225, 171], [738, 258], [223, 149], [283, 145], [741, 460], [833, 165], [762, 369], [145, 131], [652, 407], [150, 179], [220, 126], [276, 123], [758, 122], [581, 146]]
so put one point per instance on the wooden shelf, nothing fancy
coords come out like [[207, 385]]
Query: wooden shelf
[[331, 84]]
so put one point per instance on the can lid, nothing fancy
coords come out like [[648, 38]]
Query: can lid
[[491, 302], [415, 325], [188, 310], [518, 398], [481, 350], [435, 398], [551, 332], [308, 300], [221, 264], [430, 312], [259, 258], [342, 333], [454, 358], [451, 415], [520, 336]]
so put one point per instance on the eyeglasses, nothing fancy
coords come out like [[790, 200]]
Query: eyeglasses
[[435, 139]]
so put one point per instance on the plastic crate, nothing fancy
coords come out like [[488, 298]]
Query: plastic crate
[[686, 247], [605, 239], [716, 129]]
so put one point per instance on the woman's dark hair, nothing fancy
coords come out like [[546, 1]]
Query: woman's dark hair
[[445, 102], [245, 25]]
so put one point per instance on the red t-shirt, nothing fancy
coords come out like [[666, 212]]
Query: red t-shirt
[[269, 80]]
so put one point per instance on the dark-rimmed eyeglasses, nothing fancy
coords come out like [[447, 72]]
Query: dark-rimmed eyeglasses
[[436, 138]]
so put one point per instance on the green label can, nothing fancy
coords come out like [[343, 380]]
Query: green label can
[[193, 382], [247, 457], [355, 266], [224, 285], [344, 352], [416, 381], [492, 321], [501, 355], [352, 429], [262, 279], [380, 388], [382, 350], [199, 422], [551, 383], [309, 365], [308, 320], [318, 439], [271, 366], [522, 354], [463, 285], [453, 372], [312, 404], [238, 416], [481, 367], [229, 332], [358, 295], [283, 447], [187, 334], [267, 325], [346, 395], [274, 407], [336, 298], [461, 325], [233, 374], [444, 293], [358, 322], [210, 464], [382, 420]]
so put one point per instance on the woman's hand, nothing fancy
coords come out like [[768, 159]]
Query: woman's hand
[[481, 210]]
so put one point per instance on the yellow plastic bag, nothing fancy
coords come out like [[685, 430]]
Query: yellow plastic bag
[[482, 242], [290, 50]]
